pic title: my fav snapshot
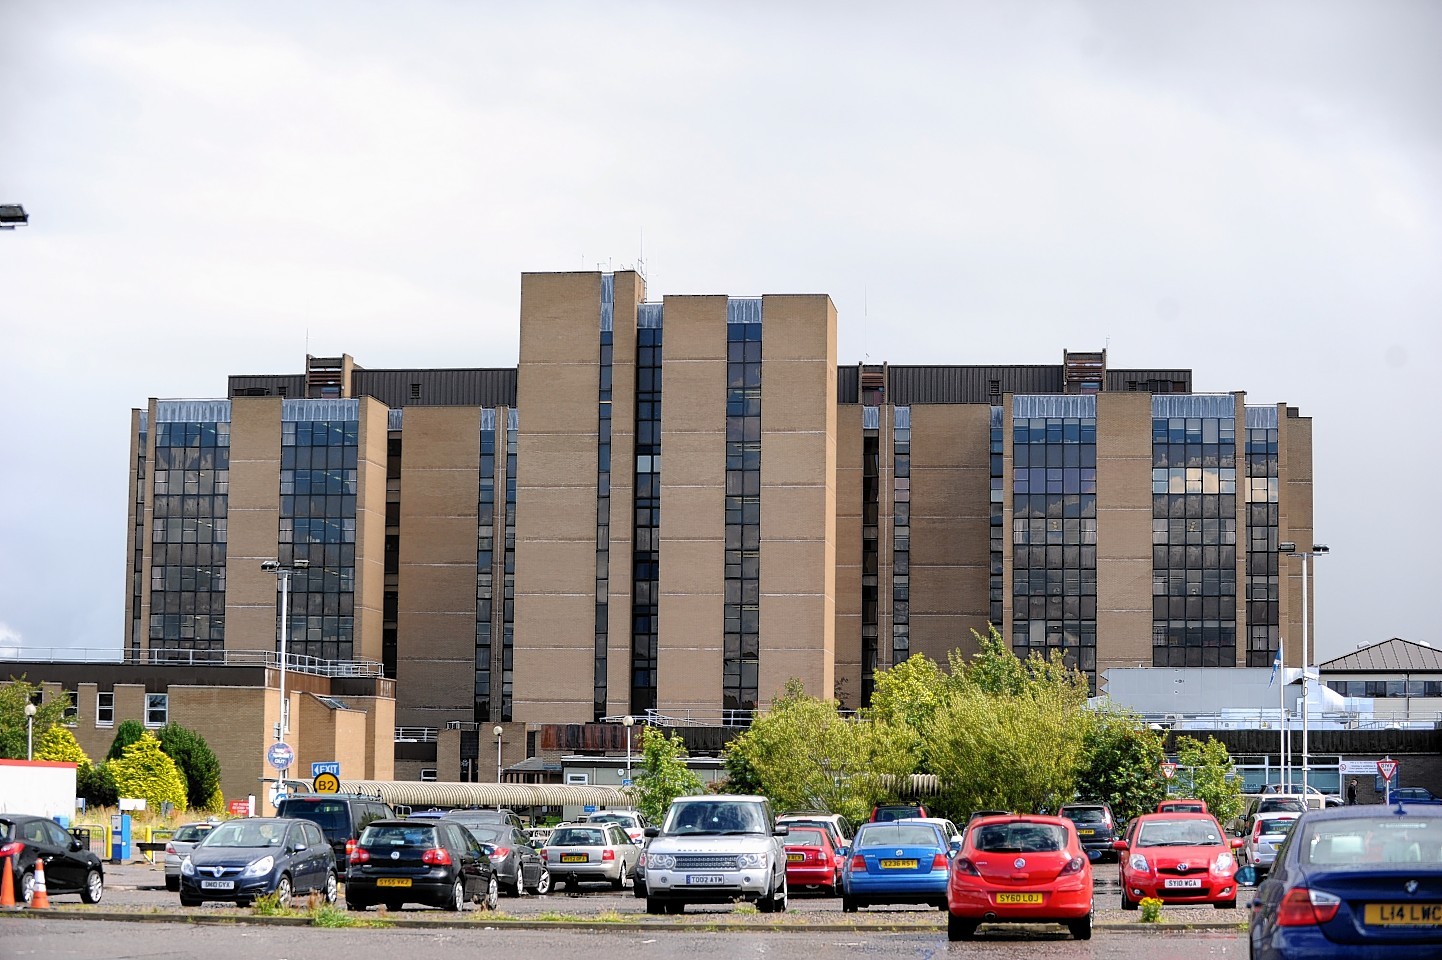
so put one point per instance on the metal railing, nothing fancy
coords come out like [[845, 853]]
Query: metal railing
[[161, 657], [416, 734]]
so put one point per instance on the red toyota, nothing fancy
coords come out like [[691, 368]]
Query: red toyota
[[1020, 869], [811, 860], [1182, 858]]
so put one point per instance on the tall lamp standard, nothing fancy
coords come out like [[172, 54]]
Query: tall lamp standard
[[1317, 550], [499, 731], [284, 573], [628, 722], [29, 731]]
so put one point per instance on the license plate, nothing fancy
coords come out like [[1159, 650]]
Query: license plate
[[795, 858], [1403, 914], [1018, 898], [704, 879], [393, 881], [217, 884], [898, 864], [574, 858], [1189, 884], [1086, 833]]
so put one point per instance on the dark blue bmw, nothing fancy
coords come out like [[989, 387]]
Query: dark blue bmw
[[1360, 882]]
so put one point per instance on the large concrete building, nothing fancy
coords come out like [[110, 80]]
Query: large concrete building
[[676, 506]]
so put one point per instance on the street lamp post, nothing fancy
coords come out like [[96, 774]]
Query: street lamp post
[[29, 731], [1317, 550], [628, 722], [499, 731], [283, 573]]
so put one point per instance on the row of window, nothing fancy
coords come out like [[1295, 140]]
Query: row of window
[[648, 384]]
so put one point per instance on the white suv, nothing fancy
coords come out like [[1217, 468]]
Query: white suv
[[716, 849]]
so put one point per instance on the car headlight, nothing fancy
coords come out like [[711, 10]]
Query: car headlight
[[751, 861], [1138, 862], [1223, 863], [660, 861], [260, 867], [187, 868]]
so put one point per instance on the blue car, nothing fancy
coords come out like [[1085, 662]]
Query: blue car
[[897, 862], [1359, 882]]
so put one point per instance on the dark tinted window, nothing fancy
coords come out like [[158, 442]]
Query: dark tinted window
[[399, 835], [1084, 814], [332, 815]]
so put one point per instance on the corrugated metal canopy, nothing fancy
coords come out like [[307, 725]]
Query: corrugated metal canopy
[[514, 795]]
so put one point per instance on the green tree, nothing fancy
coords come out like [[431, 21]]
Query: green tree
[[144, 770], [1213, 776], [126, 733], [58, 744], [803, 755], [663, 775], [13, 698], [1121, 764], [95, 784], [196, 761]]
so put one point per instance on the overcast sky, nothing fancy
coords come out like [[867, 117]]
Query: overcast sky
[[1249, 189]]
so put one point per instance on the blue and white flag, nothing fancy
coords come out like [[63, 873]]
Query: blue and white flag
[[1276, 665]]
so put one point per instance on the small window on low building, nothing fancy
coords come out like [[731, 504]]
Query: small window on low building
[[72, 708], [428, 774], [105, 709], [157, 709]]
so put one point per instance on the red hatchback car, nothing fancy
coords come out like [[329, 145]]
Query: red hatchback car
[[1183, 858], [1020, 869], [811, 860]]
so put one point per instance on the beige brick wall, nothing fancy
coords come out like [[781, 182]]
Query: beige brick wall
[[1294, 465], [372, 438], [254, 505], [1124, 530]]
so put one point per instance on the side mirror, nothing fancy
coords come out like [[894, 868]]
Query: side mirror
[[488, 849], [1238, 843], [1247, 876], [297, 848], [1119, 845], [955, 846], [781, 830], [844, 850], [653, 831], [75, 845]]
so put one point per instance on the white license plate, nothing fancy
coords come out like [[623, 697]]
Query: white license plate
[[704, 879], [1183, 884], [217, 884]]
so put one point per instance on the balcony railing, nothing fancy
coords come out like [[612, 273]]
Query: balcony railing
[[159, 657], [416, 734]]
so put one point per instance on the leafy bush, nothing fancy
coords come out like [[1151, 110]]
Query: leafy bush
[[197, 764], [60, 746], [126, 733], [144, 770], [95, 784], [13, 726]]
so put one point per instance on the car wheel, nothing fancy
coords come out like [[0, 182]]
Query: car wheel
[[620, 880], [332, 888], [456, 902], [94, 887], [959, 928], [172, 884], [1127, 902], [283, 890], [848, 904], [654, 906], [493, 894], [27, 887], [638, 888], [1226, 904], [515, 889], [358, 905], [543, 883], [1081, 929], [677, 908], [189, 901], [774, 902], [394, 906]]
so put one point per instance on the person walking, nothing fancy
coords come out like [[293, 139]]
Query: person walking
[[1352, 792]]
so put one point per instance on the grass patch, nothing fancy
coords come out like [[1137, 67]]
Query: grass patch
[[744, 908], [268, 906], [611, 916], [486, 916], [551, 916]]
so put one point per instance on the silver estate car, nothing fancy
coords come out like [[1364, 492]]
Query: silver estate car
[[716, 849], [178, 847], [579, 852]]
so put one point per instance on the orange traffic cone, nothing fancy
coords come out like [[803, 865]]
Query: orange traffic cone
[[39, 899], [7, 884]]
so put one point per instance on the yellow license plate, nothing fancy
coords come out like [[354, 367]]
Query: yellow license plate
[[795, 857], [393, 881], [1403, 914], [1086, 833], [1018, 898], [898, 864], [573, 858]]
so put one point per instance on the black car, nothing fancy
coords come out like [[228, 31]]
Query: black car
[[70, 867], [243, 859], [435, 862], [1095, 827], [517, 862], [340, 816]]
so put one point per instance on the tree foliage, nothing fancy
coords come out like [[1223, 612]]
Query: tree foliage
[[1210, 767], [59, 745], [126, 733], [13, 698], [803, 755], [1122, 759], [95, 784], [663, 775], [197, 763], [144, 770]]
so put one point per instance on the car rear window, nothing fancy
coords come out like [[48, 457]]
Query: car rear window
[[1084, 814], [331, 815], [1178, 833], [575, 837], [1279, 827], [1019, 838], [803, 838], [190, 833], [1409, 840], [897, 834], [398, 835]]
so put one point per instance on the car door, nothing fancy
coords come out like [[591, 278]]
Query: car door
[[322, 857], [466, 852], [64, 869], [530, 862]]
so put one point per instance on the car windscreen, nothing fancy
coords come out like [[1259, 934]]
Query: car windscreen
[[398, 835], [897, 835], [577, 837], [720, 817], [331, 816], [245, 833], [1374, 840], [1018, 837], [1178, 833], [1084, 814]]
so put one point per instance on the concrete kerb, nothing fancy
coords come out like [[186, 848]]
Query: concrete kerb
[[476, 920]]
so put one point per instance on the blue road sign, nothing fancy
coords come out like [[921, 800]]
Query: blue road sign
[[280, 755], [324, 766]]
